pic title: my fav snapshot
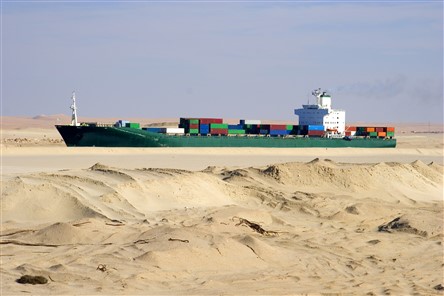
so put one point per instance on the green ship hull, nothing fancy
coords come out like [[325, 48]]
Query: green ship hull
[[99, 136]]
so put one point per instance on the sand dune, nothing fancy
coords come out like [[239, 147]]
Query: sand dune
[[286, 228]]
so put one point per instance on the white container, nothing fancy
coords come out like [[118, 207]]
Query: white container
[[250, 121], [173, 130]]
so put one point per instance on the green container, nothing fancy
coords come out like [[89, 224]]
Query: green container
[[289, 127], [236, 132], [194, 121], [219, 125], [133, 125], [373, 134], [390, 134], [194, 130]]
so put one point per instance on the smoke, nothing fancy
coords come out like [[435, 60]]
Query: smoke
[[379, 89]]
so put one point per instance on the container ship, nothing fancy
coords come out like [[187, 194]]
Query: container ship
[[319, 126]]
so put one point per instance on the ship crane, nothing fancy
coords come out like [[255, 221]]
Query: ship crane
[[74, 110]]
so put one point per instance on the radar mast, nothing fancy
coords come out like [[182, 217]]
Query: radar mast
[[74, 110]]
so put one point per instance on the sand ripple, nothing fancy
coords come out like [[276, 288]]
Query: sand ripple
[[337, 228]]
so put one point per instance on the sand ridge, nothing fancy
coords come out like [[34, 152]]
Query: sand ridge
[[176, 231]]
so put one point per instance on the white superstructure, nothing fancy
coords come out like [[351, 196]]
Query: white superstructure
[[321, 113]]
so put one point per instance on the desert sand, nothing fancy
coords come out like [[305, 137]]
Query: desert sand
[[220, 221]]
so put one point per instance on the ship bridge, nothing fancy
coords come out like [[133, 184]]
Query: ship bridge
[[321, 113]]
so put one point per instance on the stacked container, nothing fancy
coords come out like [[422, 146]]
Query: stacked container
[[252, 129], [390, 131], [312, 130], [190, 125], [236, 129], [375, 132], [218, 129]]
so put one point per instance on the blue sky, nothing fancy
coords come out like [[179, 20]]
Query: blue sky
[[382, 62]]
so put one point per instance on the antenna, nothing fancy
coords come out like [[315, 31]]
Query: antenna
[[317, 94], [74, 110]]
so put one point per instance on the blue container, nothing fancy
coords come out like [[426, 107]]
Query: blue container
[[204, 128], [279, 132], [315, 127], [236, 126], [153, 129]]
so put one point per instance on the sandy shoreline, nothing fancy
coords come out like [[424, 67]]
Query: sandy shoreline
[[55, 158]]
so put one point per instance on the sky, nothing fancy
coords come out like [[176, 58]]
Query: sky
[[381, 61]]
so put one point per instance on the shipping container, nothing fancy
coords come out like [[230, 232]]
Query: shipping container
[[351, 128], [252, 131], [204, 128], [390, 129], [289, 127], [172, 130], [250, 121], [153, 129], [133, 125], [382, 134], [315, 133], [194, 131], [315, 127], [218, 126], [373, 134], [194, 121], [194, 126], [390, 134], [236, 131], [279, 132], [185, 120], [210, 120], [278, 127], [219, 131], [236, 126], [379, 129], [370, 129]]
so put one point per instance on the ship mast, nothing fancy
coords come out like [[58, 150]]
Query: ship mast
[[317, 94], [74, 110]]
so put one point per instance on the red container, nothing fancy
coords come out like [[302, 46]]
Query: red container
[[316, 133], [350, 128], [278, 127], [348, 133], [194, 126], [390, 129], [379, 129], [219, 131], [210, 120]]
